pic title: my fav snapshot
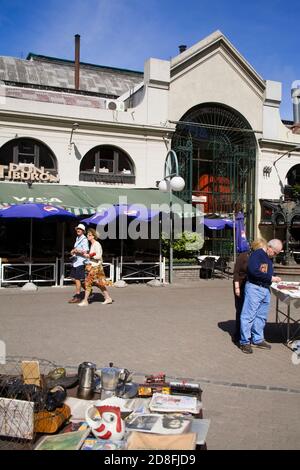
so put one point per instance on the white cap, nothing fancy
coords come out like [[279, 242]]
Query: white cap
[[81, 226]]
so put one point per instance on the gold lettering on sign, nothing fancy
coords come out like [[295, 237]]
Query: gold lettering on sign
[[14, 175], [2, 168], [26, 172], [25, 175], [13, 167]]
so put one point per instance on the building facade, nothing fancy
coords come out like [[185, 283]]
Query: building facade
[[113, 131]]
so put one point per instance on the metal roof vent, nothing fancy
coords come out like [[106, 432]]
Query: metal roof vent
[[295, 92]]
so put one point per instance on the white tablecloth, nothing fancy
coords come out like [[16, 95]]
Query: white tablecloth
[[202, 257], [285, 295]]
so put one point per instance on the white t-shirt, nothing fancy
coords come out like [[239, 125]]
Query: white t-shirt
[[97, 259]]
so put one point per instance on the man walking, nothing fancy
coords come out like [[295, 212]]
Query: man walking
[[257, 297], [81, 247]]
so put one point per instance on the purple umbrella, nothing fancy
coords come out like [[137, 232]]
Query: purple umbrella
[[138, 212], [105, 216], [108, 214], [217, 224], [241, 242], [33, 211]]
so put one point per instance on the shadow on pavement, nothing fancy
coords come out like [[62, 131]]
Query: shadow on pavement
[[274, 332]]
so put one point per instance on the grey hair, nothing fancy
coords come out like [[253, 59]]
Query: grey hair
[[275, 243]]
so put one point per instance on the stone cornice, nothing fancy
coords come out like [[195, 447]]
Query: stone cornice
[[60, 124]]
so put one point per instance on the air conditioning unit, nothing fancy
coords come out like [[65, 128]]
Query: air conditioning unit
[[115, 105]]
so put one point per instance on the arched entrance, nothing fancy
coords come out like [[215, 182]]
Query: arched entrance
[[217, 153]]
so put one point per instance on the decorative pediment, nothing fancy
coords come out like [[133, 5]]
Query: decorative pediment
[[212, 44]]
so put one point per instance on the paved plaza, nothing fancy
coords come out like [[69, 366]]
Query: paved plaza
[[253, 401]]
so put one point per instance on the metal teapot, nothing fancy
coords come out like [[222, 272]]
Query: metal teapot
[[112, 378]]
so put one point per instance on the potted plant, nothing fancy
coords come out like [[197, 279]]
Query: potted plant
[[185, 248]]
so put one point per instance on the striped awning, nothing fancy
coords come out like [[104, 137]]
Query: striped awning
[[84, 200], [55, 194]]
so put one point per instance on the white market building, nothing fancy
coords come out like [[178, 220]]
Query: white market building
[[113, 132]]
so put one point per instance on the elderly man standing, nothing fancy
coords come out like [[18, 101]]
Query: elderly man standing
[[257, 297], [81, 247]]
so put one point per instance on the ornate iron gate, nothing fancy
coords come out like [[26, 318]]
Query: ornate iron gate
[[183, 147], [216, 149]]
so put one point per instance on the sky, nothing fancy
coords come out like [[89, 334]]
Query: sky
[[125, 33]]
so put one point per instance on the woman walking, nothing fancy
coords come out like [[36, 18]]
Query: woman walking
[[95, 273]]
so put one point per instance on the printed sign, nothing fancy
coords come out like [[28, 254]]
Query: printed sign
[[26, 173]]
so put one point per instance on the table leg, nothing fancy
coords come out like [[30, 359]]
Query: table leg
[[288, 323], [277, 305]]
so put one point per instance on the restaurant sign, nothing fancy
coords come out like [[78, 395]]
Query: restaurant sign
[[26, 173]]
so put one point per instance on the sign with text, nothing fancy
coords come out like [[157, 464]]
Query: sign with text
[[25, 173]]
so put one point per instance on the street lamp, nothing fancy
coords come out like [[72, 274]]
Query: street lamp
[[171, 182], [286, 153]]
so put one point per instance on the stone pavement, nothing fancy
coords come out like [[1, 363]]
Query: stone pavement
[[253, 401]]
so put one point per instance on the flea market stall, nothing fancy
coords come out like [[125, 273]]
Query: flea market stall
[[46, 407], [287, 308]]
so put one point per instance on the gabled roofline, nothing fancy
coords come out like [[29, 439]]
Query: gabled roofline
[[209, 44], [44, 58]]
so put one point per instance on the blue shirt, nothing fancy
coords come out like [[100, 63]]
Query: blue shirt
[[260, 268], [81, 243]]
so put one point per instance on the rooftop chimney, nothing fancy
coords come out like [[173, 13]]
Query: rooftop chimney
[[182, 48], [77, 60]]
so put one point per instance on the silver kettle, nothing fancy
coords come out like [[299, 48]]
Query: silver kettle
[[112, 378]]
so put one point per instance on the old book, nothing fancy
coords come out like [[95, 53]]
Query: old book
[[162, 403], [31, 372], [158, 424], [66, 441], [144, 441]]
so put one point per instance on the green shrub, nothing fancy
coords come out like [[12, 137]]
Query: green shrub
[[185, 247]]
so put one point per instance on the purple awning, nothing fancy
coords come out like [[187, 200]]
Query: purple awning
[[217, 224]]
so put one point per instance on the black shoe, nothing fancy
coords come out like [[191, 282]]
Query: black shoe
[[75, 299], [91, 298], [246, 348], [262, 345]]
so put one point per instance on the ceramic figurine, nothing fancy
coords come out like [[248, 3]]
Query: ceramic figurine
[[105, 422]]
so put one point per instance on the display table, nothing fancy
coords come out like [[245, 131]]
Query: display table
[[137, 410], [30, 424], [288, 293]]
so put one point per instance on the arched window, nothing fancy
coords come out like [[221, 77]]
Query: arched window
[[107, 164], [293, 176], [28, 151]]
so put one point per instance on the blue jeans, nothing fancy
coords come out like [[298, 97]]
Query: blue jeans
[[254, 313]]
